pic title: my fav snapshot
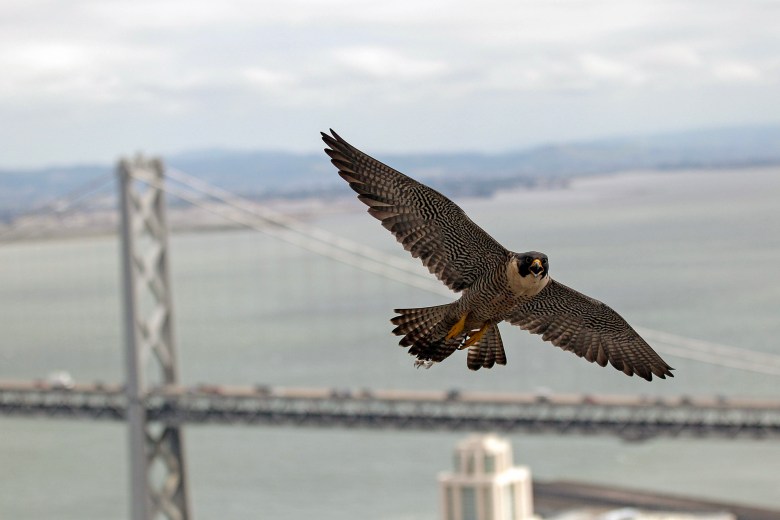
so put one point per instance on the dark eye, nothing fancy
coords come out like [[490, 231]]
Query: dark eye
[[528, 260], [544, 261]]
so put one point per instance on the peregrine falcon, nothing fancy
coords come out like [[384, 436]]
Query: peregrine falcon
[[496, 284]]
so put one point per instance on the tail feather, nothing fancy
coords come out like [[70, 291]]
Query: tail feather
[[415, 325], [488, 351], [424, 331]]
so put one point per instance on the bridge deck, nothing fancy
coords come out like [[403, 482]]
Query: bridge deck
[[630, 417]]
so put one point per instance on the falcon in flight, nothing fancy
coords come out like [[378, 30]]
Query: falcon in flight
[[495, 284]]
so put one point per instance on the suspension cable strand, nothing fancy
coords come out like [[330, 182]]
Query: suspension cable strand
[[714, 353], [59, 206], [723, 361], [63, 202], [284, 227], [319, 241], [708, 347], [301, 240], [293, 224]]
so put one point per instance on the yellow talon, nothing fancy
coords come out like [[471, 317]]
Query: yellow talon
[[473, 340], [457, 328]]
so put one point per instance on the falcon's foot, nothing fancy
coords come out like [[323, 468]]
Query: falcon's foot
[[426, 363], [474, 339], [457, 328]]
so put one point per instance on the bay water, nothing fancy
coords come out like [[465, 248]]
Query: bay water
[[695, 254]]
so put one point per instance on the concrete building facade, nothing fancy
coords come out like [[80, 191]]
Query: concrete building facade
[[484, 484]]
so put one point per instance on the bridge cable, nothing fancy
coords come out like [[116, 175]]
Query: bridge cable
[[60, 206], [327, 244]]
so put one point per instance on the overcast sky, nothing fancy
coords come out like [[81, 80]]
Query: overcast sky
[[89, 80]]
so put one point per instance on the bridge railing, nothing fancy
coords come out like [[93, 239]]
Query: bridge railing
[[629, 417]]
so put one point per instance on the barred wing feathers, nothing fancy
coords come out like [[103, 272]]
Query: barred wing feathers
[[592, 330], [428, 225]]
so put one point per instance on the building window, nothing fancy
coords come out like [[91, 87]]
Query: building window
[[469, 503], [470, 463], [490, 463]]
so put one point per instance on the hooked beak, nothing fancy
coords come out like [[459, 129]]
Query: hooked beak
[[536, 268]]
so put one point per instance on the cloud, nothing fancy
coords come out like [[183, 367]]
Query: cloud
[[597, 68], [236, 62], [736, 72], [384, 63], [61, 72], [267, 79], [176, 15], [45, 57]]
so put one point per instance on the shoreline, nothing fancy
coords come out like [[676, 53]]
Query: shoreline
[[186, 218]]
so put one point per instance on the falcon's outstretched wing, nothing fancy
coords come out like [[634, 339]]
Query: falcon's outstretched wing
[[429, 225], [592, 330]]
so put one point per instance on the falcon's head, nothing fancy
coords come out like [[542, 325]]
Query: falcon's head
[[533, 263]]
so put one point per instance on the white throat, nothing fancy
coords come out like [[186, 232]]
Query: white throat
[[524, 285]]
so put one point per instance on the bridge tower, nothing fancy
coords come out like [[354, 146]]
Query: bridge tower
[[158, 471]]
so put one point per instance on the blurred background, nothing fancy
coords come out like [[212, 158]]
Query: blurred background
[[637, 143]]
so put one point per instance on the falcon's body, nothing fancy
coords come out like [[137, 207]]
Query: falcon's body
[[496, 284]]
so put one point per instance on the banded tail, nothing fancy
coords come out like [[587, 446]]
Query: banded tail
[[425, 331]]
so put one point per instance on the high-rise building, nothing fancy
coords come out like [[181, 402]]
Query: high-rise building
[[485, 485]]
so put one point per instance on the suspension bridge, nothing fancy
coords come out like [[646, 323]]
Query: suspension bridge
[[156, 406]]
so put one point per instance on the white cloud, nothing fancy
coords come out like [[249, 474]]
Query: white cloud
[[40, 57], [383, 63], [268, 79], [669, 56], [235, 62], [168, 14], [601, 69], [62, 72], [736, 72]]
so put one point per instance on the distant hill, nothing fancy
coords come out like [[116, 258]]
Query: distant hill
[[282, 174]]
